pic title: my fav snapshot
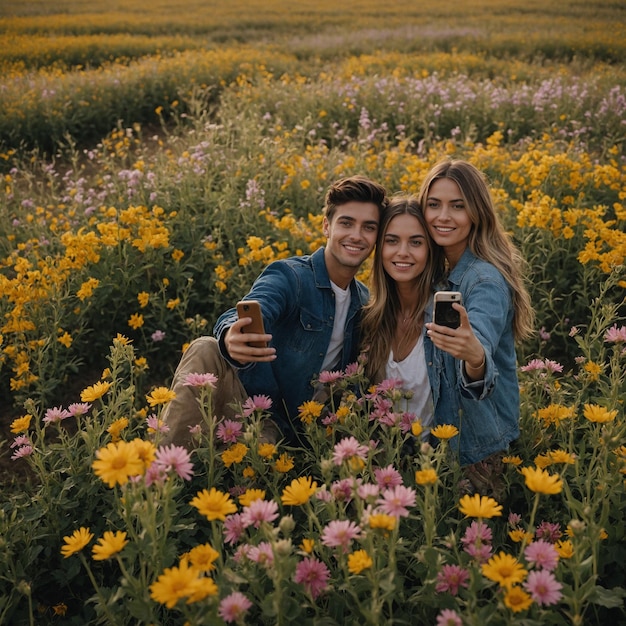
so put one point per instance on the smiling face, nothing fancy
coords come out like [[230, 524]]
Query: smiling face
[[404, 249], [351, 237], [448, 221]]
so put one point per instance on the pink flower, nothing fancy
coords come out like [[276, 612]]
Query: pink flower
[[353, 368], [543, 587], [542, 555], [195, 379], [479, 551], [342, 490], [389, 384], [175, 458], [229, 430], [387, 477], [477, 541], [55, 415], [552, 366], [234, 528], [233, 607], [448, 617], [450, 578], [155, 424], [313, 574], [406, 422], [258, 512], [544, 335], [21, 440], [340, 533], [327, 378], [514, 519], [396, 500], [155, 474], [262, 554], [157, 335], [348, 448], [368, 490], [548, 531], [78, 408], [256, 403], [615, 334], [21, 452], [535, 364]]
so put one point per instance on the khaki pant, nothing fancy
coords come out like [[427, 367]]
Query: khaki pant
[[201, 357]]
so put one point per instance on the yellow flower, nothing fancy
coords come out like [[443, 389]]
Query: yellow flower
[[565, 548], [416, 428], [76, 541], [93, 392], [116, 463], [266, 450], [145, 451], [598, 414], [173, 303], [109, 544], [309, 411], [177, 255], [512, 460], [479, 506], [540, 481], [60, 609], [204, 587], [504, 569], [160, 395], [136, 321], [176, 583], [65, 339], [542, 460], [554, 414], [307, 545], [117, 427], [358, 561], [250, 495], [299, 492], [143, 298], [203, 556], [382, 520], [445, 431], [284, 463], [518, 535], [426, 477], [562, 456], [517, 599], [214, 504], [234, 454], [248, 472], [21, 424], [593, 369]]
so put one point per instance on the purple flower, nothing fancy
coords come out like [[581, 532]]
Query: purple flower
[[548, 531], [233, 607], [229, 430], [451, 578], [313, 574]]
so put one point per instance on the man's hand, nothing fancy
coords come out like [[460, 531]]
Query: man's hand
[[236, 342]]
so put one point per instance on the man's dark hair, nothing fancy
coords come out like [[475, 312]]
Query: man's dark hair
[[354, 189]]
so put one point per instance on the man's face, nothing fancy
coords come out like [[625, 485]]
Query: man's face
[[351, 237]]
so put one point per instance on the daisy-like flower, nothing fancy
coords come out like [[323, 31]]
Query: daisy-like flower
[[359, 561], [250, 495], [55, 415], [21, 440], [504, 569], [175, 459], [22, 451], [479, 506], [542, 555], [310, 411], [109, 544], [234, 607], [517, 599], [533, 365], [160, 395], [313, 574], [396, 500], [76, 541], [477, 532], [445, 431], [543, 587], [368, 490], [382, 521], [234, 528], [228, 431], [260, 511], [21, 424], [93, 392], [266, 450], [416, 428], [564, 548], [540, 481], [256, 403], [116, 463], [78, 408], [562, 456], [426, 476], [340, 533], [598, 414], [195, 379], [203, 556], [347, 448], [176, 583], [117, 427], [214, 504], [284, 463], [145, 450], [299, 491], [387, 477], [615, 334], [262, 554], [327, 378], [451, 578], [234, 454], [448, 617], [548, 531], [156, 425]]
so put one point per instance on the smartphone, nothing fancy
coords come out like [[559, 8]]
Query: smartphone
[[251, 308], [445, 315]]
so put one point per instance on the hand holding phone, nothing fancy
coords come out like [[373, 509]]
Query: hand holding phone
[[252, 309], [445, 315]]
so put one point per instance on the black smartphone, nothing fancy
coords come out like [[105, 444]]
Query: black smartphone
[[445, 315]]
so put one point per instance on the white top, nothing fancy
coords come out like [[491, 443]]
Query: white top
[[342, 304], [414, 376]]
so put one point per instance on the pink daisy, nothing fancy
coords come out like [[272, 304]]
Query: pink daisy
[[55, 415], [369, 490], [477, 532], [256, 403], [313, 574], [157, 425], [348, 448], [353, 369], [175, 458], [389, 384], [21, 440], [327, 378], [615, 334], [542, 555], [229, 430], [396, 500], [340, 533], [342, 490], [21, 452], [543, 587], [406, 422], [535, 364], [233, 607], [451, 578], [514, 519], [549, 531], [552, 366], [195, 379], [262, 554], [387, 477], [155, 474], [258, 512], [448, 617], [78, 408], [234, 528]]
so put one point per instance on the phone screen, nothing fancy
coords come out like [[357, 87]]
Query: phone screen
[[445, 315]]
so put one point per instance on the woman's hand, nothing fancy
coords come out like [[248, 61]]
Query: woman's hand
[[461, 343]]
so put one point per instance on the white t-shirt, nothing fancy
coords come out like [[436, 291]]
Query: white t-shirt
[[414, 375], [342, 304]]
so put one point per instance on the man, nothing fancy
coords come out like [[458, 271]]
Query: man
[[310, 306]]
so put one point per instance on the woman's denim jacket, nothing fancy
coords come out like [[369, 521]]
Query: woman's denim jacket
[[486, 412], [298, 306]]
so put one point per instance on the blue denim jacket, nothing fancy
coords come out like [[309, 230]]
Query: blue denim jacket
[[298, 306], [486, 412]]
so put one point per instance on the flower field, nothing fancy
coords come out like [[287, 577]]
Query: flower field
[[153, 163]]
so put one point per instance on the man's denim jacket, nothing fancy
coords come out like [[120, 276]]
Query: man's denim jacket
[[298, 306], [486, 412]]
